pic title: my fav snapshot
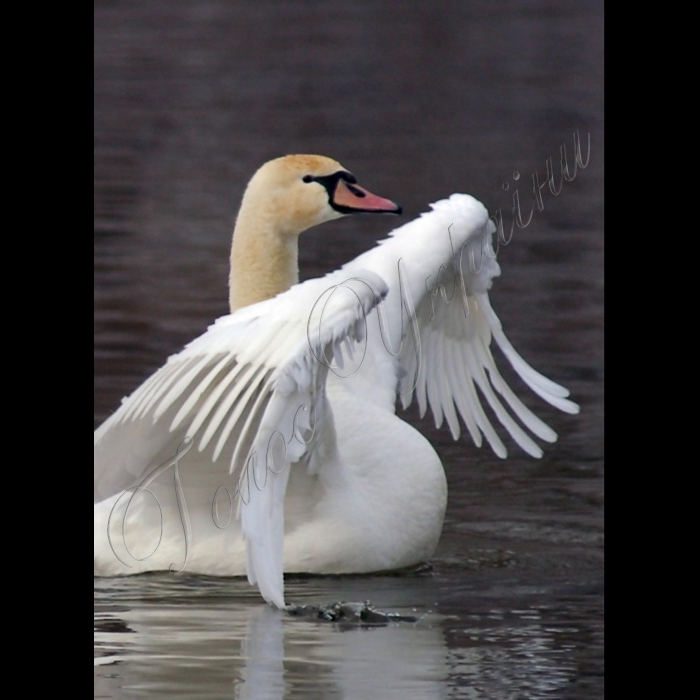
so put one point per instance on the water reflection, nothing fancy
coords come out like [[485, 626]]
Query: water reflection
[[202, 637]]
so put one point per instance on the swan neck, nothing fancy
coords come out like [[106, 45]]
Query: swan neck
[[264, 260]]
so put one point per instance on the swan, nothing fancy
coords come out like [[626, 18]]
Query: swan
[[271, 443]]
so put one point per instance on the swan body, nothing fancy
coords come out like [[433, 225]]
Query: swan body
[[270, 444]]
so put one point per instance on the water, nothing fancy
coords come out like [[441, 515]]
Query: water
[[202, 637], [419, 100]]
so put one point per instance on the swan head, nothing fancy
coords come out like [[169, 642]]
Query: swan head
[[296, 192], [285, 197]]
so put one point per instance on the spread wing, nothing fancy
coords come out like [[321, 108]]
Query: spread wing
[[250, 392], [439, 269]]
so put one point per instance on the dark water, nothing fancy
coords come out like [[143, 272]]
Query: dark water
[[419, 100]]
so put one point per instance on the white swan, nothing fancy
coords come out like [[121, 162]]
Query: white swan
[[288, 403]]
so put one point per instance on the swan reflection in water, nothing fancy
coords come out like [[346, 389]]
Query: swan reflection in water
[[182, 636]]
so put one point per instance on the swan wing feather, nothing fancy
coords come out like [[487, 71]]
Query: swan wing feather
[[439, 319], [251, 391]]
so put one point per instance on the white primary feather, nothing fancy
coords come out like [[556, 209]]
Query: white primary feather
[[447, 260]]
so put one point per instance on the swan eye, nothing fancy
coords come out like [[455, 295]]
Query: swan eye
[[308, 178]]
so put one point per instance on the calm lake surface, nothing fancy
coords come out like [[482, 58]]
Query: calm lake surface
[[419, 100]]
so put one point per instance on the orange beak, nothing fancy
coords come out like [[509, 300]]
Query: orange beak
[[349, 198]]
